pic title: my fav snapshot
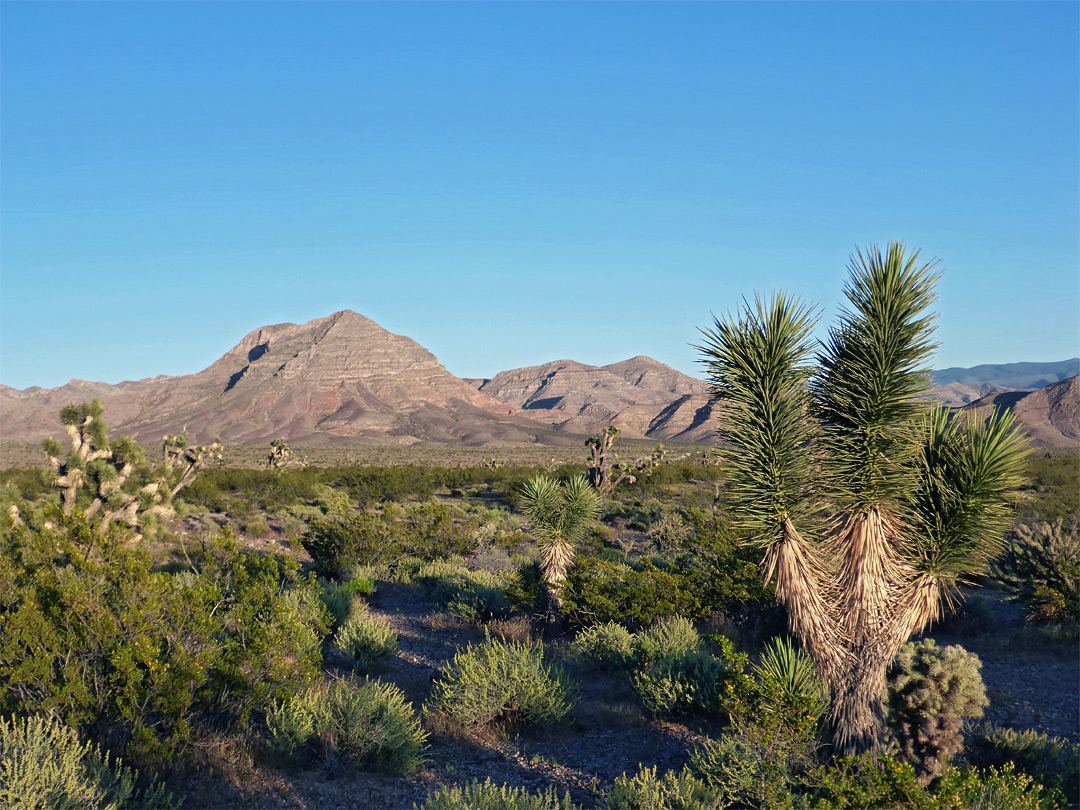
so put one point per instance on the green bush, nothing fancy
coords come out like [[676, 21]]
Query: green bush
[[137, 658], [363, 641], [991, 789], [671, 635], [367, 725], [1051, 761], [682, 683], [869, 783], [608, 646], [43, 765], [501, 682], [470, 595], [1041, 567], [673, 791], [930, 693], [769, 749], [486, 796], [340, 600], [636, 595]]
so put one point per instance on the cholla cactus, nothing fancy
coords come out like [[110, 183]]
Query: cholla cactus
[[1039, 567], [931, 691]]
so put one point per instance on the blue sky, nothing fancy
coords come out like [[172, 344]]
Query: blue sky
[[512, 183]]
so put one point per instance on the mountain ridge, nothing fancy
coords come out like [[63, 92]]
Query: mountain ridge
[[343, 378]]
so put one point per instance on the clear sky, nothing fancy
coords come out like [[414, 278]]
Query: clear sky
[[513, 183]]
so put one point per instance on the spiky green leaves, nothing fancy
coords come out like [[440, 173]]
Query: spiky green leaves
[[871, 368], [960, 506], [559, 514], [757, 361]]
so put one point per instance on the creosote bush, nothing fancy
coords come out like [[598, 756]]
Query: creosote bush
[[368, 725], [501, 682], [467, 594], [364, 641], [43, 766], [931, 692]]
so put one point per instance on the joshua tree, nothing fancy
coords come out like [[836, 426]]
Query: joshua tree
[[559, 514], [111, 472], [870, 505], [603, 466], [279, 454]]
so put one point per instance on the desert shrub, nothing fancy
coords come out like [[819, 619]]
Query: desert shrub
[[671, 635], [340, 600], [672, 791], [362, 537], [486, 796], [972, 616], [363, 641], [930, 692], [369, 725], [137, 658], [990, 789], [681, 683], [256, 528], [43, 765], [1051, 761], [501, 682], [770, 747], [636, 595], [868, 782], [470, 595], [609, 646], [426, 530], [794, 673], [516, 629], [1041, 567]]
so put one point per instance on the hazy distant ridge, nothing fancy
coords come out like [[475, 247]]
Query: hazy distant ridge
[[1010, 375]]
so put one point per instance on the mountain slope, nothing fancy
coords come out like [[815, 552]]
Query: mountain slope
[[1051, 415]]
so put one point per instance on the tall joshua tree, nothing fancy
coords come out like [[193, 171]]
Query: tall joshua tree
[[870, 505], [559, 514]]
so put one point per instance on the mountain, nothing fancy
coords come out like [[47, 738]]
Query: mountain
[[334, 380], [1051, 415], [344, 379], [642, 396], [960, 386]]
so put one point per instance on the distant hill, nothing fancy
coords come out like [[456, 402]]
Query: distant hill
[[960, 386], [642, 396]]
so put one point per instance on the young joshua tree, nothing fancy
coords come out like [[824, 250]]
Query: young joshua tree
[[559, 514], [870, 505]]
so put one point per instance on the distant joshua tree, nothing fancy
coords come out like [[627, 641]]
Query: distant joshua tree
[[605, 472], [107, 477]]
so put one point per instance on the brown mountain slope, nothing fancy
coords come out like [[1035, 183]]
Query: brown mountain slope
[[333, 380], [1051, 415], [642, 396]]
